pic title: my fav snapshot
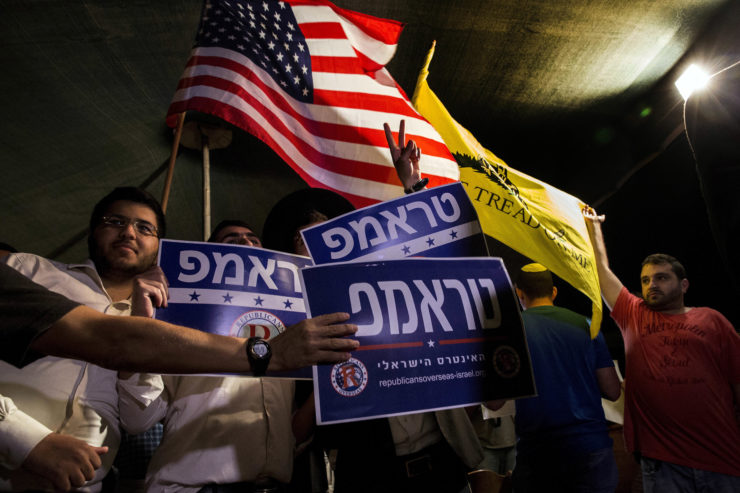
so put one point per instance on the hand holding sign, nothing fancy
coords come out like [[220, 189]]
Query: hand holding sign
[[150, 292], [314, 340], [251, 292]]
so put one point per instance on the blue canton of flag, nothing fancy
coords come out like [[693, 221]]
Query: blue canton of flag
[[267, 33]]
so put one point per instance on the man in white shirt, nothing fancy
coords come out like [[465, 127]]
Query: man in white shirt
[[53, 398]]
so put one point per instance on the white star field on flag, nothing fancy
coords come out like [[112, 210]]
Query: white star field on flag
[[266, 33]]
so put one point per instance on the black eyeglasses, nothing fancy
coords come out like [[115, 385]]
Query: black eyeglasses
[[142, 227]]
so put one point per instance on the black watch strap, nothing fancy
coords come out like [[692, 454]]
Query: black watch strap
[[419, 185]]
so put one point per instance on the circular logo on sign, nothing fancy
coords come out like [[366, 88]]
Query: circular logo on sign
[[349, 378], [506, 362], [257, 324]]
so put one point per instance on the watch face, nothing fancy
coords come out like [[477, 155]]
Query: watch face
[[260, 349]]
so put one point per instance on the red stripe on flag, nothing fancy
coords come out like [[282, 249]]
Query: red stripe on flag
[[337, 65], [323, 30], [386, 30], [360, 101]]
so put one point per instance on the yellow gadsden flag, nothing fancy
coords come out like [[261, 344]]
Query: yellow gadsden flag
[[532, 217]]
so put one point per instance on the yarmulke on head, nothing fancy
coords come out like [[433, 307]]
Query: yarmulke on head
[[535, 280]]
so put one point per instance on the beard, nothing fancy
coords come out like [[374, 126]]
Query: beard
[[112, 266], [663, 299]]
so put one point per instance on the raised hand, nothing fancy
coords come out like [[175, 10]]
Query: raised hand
[[405, 156], [590, 214]]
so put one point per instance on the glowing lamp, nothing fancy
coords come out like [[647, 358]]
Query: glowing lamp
[[692, 79]]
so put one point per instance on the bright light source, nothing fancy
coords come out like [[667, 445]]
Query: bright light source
[[692, 79]]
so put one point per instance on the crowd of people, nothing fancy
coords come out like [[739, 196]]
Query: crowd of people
[[110, 368]]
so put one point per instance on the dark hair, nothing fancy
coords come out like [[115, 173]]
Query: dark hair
[[535, 283], [307, 217], [662, 258], [225, 224], [129, 194], [298, 209]]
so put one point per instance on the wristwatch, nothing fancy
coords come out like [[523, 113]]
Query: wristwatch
[[258, 354]]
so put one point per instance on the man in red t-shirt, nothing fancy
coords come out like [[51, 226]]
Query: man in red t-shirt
[[683, 377]]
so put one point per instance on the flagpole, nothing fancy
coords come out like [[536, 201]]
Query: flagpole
[[206, 189], [424, 72], [173, 157], [205, 133]]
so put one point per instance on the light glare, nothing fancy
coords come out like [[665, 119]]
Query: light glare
[[692, 79]]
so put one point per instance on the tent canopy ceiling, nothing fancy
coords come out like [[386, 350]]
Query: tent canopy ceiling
[[575, 93]]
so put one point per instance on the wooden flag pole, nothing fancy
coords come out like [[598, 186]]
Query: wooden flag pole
[[173, 157], [205, 135], [206, 189]]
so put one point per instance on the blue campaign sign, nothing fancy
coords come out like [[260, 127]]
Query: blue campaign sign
[[434, 334], [233, 290], [439, 222]]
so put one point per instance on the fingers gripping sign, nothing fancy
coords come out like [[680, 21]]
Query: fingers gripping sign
[[150, 292], [315, 340]]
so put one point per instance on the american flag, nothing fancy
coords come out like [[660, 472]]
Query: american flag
[[309, 79]]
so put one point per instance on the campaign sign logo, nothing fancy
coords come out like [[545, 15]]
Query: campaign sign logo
[[257, 323], [439, 222], [233, 290], [349, 378], [434, 334]]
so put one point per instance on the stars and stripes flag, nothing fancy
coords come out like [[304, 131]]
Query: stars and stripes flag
[[309, 79]]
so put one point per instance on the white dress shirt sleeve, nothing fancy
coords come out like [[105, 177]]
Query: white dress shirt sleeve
[[19, 434], [141, 401]]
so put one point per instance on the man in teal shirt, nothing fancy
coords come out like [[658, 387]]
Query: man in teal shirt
[[563, 440]]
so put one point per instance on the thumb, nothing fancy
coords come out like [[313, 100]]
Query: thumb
[[100, 450]]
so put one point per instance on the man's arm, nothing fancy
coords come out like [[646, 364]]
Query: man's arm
[[609, 384], [611, 286], [148, 345]]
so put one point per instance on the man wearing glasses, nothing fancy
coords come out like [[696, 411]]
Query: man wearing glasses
[[44, 403]]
